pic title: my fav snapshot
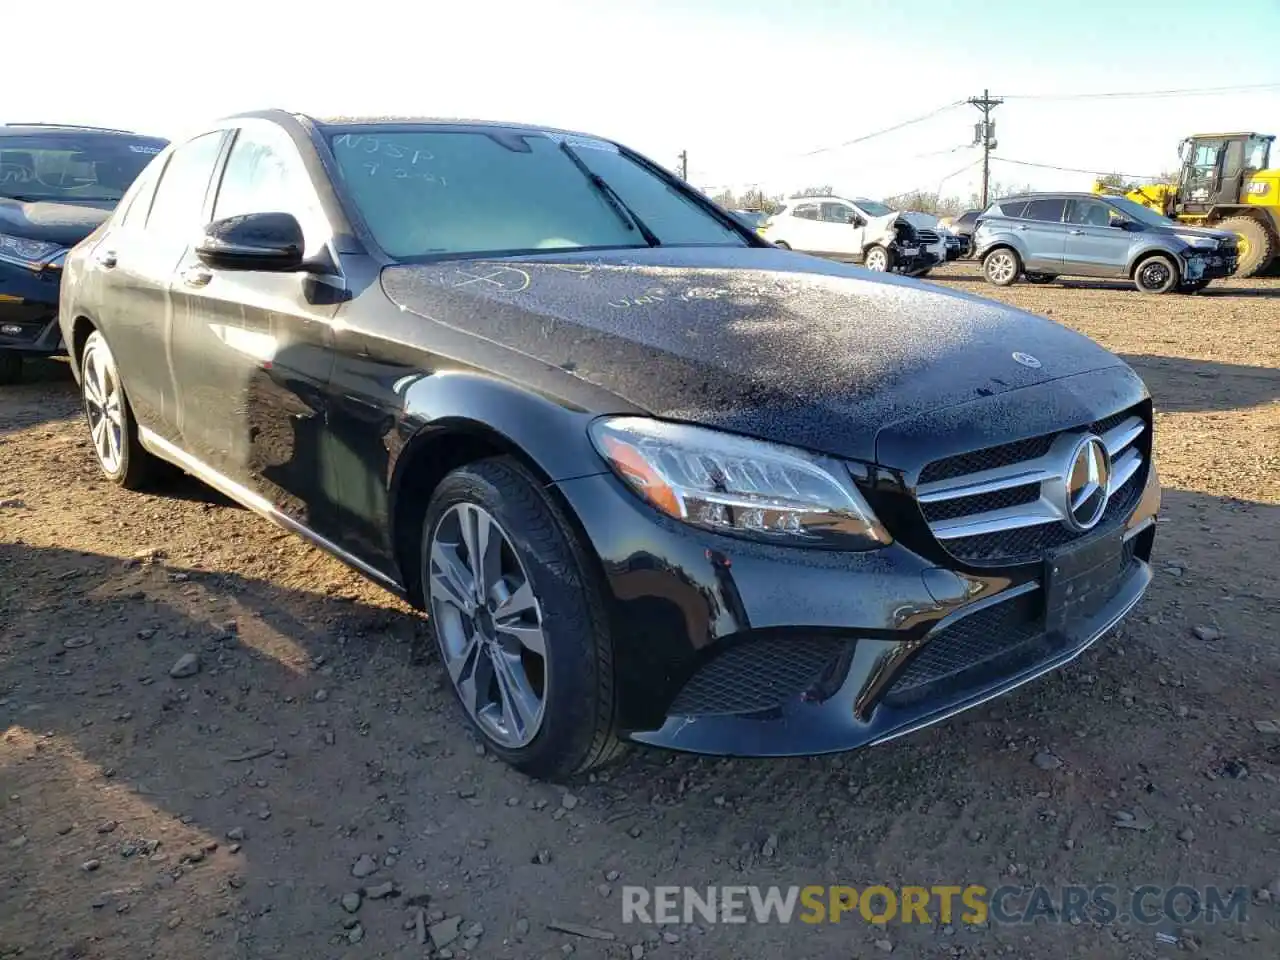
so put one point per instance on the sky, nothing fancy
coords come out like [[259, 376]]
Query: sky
[[749, 88]]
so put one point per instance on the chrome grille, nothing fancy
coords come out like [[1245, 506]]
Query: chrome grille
[[1005, 504]]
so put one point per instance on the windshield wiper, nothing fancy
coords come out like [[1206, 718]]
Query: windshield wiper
[[628, 216]]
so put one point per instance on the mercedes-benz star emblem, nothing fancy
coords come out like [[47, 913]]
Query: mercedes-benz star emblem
[[1087, 483], [1027, 360]]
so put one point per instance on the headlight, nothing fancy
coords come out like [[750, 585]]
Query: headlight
[[733, 485], [1199, 243], [27, 253]]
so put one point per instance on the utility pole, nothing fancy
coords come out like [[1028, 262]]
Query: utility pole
[[684, 165], [984, 135]]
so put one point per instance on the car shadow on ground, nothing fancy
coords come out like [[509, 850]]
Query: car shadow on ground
[[1182, 385], [316, 731], [1214, 290]]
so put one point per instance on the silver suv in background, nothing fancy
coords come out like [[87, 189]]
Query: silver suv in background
[[1043, 236]]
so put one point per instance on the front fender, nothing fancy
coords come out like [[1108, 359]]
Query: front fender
[[549, 431]]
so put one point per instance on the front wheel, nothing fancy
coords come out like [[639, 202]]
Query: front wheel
[[878, 259], [112, 428], [1001, 267], [518, 615], [10, 366], [1157, 274]]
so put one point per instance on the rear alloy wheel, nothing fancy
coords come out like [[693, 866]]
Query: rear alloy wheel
[[112, 429], [878, 259], [1156, 274], [1001, 267], [10, 366], [518, 620]]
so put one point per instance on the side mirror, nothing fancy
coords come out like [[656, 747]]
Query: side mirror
[[856, 221], [253, 241], [1118, 221]]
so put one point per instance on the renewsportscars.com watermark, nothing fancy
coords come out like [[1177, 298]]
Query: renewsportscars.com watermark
[[972, 904]]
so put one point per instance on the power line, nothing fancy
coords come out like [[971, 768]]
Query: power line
[[1141, 94], [880, 133], [1100, 173]]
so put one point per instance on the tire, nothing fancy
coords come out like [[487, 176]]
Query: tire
[[541, 575], [1041, 277], [1001, 267], [113, 432], [1257, 245], [10, 367], [878, 259], [1156, 274]]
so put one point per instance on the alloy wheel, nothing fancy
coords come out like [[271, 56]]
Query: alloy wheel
[[1001, 267], [1155, 275], [877, 260], [104, 406], [489, 624]]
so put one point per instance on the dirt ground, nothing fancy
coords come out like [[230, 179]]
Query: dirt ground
[[222, 814]]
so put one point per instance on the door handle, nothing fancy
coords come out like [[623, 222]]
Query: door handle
[[107, 258], [197, 276], [1076, 233], [1021, 226]]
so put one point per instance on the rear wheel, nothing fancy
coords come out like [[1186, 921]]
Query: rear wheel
[[1001, 267], [1256, 244], [878, 259], [10, 366], [112, 429], [1157, 274], [519, 620]]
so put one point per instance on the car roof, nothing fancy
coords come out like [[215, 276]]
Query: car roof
[[56, 129], [1053, 195]]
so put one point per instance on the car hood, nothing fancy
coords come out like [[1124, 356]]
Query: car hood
[[64, 223], [764, 342], [1187, 230]]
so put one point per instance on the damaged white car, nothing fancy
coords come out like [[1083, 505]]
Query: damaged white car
[[863, 231]]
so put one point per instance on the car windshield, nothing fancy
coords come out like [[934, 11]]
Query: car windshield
[[72, 167], [432, 192], [873, 208], [1136, 211]]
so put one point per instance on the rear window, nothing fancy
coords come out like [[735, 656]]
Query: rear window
[[1007, 208], [1047, 209], [72, 167]]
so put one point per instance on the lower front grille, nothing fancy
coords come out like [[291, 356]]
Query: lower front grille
[[973, 641], [757, 675]]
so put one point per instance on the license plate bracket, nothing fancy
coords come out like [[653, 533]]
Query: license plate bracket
[[1079, 579]]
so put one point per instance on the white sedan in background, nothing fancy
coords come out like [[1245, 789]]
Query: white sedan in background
[[861, 230]]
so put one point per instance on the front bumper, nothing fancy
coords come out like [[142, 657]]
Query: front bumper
[[29, 310], [728, 647], [1208, 266]]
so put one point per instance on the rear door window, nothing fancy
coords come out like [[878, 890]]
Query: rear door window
[[1046, 209]]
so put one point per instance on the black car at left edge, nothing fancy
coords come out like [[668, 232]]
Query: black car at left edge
[[57, 184], [652, 478]]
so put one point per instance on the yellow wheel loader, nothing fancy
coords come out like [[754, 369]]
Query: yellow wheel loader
[[1225, 181]]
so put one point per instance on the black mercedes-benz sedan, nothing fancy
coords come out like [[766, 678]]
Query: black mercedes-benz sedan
[[651, 478], [57, 184]]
